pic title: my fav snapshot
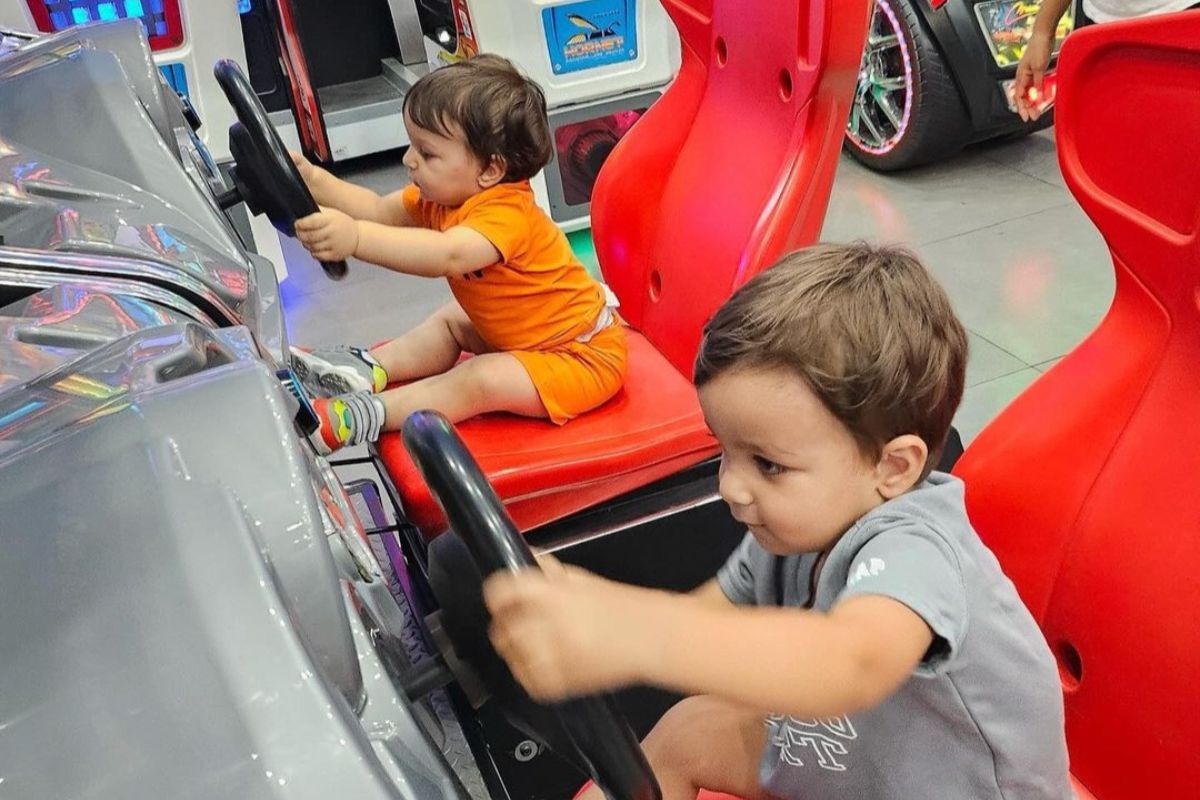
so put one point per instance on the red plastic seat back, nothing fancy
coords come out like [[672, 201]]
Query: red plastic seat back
[[1085, 487], [732, 166]]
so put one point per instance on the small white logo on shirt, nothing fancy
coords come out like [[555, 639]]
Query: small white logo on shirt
[[823, 739], [866, 569]]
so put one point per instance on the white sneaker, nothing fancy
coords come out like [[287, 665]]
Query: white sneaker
[[338, 370]]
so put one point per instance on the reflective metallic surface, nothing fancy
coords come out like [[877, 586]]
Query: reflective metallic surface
[[172, 575], [100, 161]]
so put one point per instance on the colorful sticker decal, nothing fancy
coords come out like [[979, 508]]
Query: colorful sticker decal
[[589, 34], [83, 386], [465, 45], [1008, 26]]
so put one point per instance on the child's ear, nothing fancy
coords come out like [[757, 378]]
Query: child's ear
[[900, 465], [493, 172]]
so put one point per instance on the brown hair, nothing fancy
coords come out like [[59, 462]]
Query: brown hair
[[867, 328], [500, 111]]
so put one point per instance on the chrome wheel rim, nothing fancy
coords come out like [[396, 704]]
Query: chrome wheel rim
[[882, 104]]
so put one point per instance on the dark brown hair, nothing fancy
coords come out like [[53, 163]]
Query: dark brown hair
[[867, 328], [501, 113]]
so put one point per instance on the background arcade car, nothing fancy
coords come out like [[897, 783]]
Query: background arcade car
[[935, 76]]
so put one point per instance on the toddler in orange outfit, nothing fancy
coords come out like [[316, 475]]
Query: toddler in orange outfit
[[545, 339]]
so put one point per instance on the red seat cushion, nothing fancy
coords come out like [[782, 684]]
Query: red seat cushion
[[544, 472]]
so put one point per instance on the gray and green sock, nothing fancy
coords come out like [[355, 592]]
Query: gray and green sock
[[348, 419]]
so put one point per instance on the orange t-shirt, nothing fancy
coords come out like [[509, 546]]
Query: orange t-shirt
[[538, 296]]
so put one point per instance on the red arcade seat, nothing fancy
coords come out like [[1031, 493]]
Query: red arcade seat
[[1083, 487], [731, 167]]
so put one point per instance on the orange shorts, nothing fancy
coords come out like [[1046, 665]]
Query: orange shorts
[[577, 376]]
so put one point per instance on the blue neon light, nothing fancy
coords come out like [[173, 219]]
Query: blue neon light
[[176, 75], [244, 6], [152, 13], [28, 408]]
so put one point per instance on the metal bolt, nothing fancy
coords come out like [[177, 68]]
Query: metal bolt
[[526, 751]]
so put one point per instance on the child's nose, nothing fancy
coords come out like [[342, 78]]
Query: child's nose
[[732, 490]]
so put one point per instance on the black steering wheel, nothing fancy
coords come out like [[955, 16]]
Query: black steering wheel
[[263, 172], [483, 539]]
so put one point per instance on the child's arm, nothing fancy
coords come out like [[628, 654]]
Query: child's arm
[[711, 592], [357, 202], [567, 632], [332, 235]]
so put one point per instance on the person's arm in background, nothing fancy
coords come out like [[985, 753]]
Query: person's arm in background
[[1035, 60]]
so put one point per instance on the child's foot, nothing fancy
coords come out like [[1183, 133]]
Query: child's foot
[[338, 370], [346, 420]]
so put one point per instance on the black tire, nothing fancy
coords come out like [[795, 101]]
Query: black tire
[[936, 124]]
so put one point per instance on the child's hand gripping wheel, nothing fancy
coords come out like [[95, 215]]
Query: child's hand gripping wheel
[[263, 174], [483, 540]]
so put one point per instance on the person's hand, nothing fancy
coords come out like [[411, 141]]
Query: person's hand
[[330, 235], [1030, 71], [566, 632], [305, 167]]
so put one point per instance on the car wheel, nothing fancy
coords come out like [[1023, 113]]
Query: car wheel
[[906, 108]]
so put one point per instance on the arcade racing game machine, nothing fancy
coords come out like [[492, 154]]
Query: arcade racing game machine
[[936, 76], [346, 68]]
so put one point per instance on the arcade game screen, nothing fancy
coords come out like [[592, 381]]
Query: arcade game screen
[[160, 17]]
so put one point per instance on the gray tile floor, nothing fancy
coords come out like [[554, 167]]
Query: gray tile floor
[[1027, 272]]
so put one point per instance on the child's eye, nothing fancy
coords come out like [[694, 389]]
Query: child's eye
[[425, 154], [768, 467]]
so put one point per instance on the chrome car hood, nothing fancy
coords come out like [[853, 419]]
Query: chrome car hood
[[136, 183], [181, 610]]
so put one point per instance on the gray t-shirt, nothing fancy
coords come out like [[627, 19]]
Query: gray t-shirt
[[982, 714]]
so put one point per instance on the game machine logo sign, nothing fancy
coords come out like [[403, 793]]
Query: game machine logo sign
[[589, 34]]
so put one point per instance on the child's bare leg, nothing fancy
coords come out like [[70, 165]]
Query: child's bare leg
[[704, 743], [488, 382], [431, 348]]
